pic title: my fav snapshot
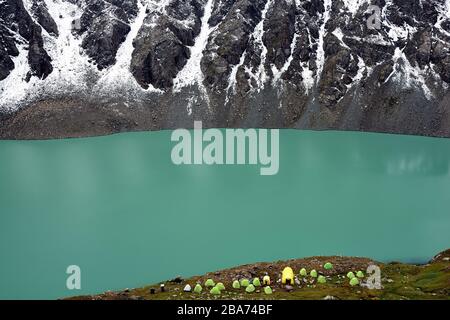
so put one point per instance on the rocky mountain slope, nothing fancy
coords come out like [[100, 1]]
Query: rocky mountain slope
[[87, 67]]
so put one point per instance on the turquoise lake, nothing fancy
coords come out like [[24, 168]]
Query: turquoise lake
[[117, 207]]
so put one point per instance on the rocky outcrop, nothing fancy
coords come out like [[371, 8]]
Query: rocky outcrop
[[18, 28], [8, 49], [40, 12], [161, 47], [372, 65], [104, 26]]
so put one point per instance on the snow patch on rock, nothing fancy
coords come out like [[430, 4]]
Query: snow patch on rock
[[408, 75], [353, 5], [119, 75], [322, 33], [260, 76], [192, 73]]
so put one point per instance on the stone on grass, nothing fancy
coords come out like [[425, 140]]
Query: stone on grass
[[354, 281], [289, 288], [209, 283], [198, 288], [236, 284], [268, 290], [250, 288], [321, 279], [313, 273]]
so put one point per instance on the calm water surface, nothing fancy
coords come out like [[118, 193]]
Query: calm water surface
[[117, 207]]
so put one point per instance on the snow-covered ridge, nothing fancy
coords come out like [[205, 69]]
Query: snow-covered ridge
[[307, 58]]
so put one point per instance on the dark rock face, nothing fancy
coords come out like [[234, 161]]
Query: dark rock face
[[7, 49], [40, 12], [229, 42], [38, 58], [15, 17], [161, 47], [105, 25], [320, 64]]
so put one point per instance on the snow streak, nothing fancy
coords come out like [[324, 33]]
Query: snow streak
[[322, 32], [192, 73]]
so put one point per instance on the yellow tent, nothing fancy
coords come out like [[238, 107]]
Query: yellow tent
[[287, 277]]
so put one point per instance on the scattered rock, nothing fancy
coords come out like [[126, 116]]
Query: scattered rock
[[177, 280], [289, 288]]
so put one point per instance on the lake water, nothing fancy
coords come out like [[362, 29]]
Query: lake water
[[117, 207]]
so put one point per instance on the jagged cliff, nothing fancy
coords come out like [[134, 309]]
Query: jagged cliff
[[87, 67]]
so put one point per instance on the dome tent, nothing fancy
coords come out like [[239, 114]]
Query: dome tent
[[209, 283], [221, 286], [328, 266], [244, 283], [215, 291], [250, 288], [268, 290], [198, 288], [287, 276], [321, 279], [354, 281]]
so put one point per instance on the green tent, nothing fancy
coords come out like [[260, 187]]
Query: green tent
[[313, 273], [215, 291], [303, 272], [328, 266], [256, 282], [250, 288], [360, 274], [209, 283], [354, 282], [244, 283], [198, 288], [268, 290], [221, 286], [236, 284], [350, 275], [321, 279]]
